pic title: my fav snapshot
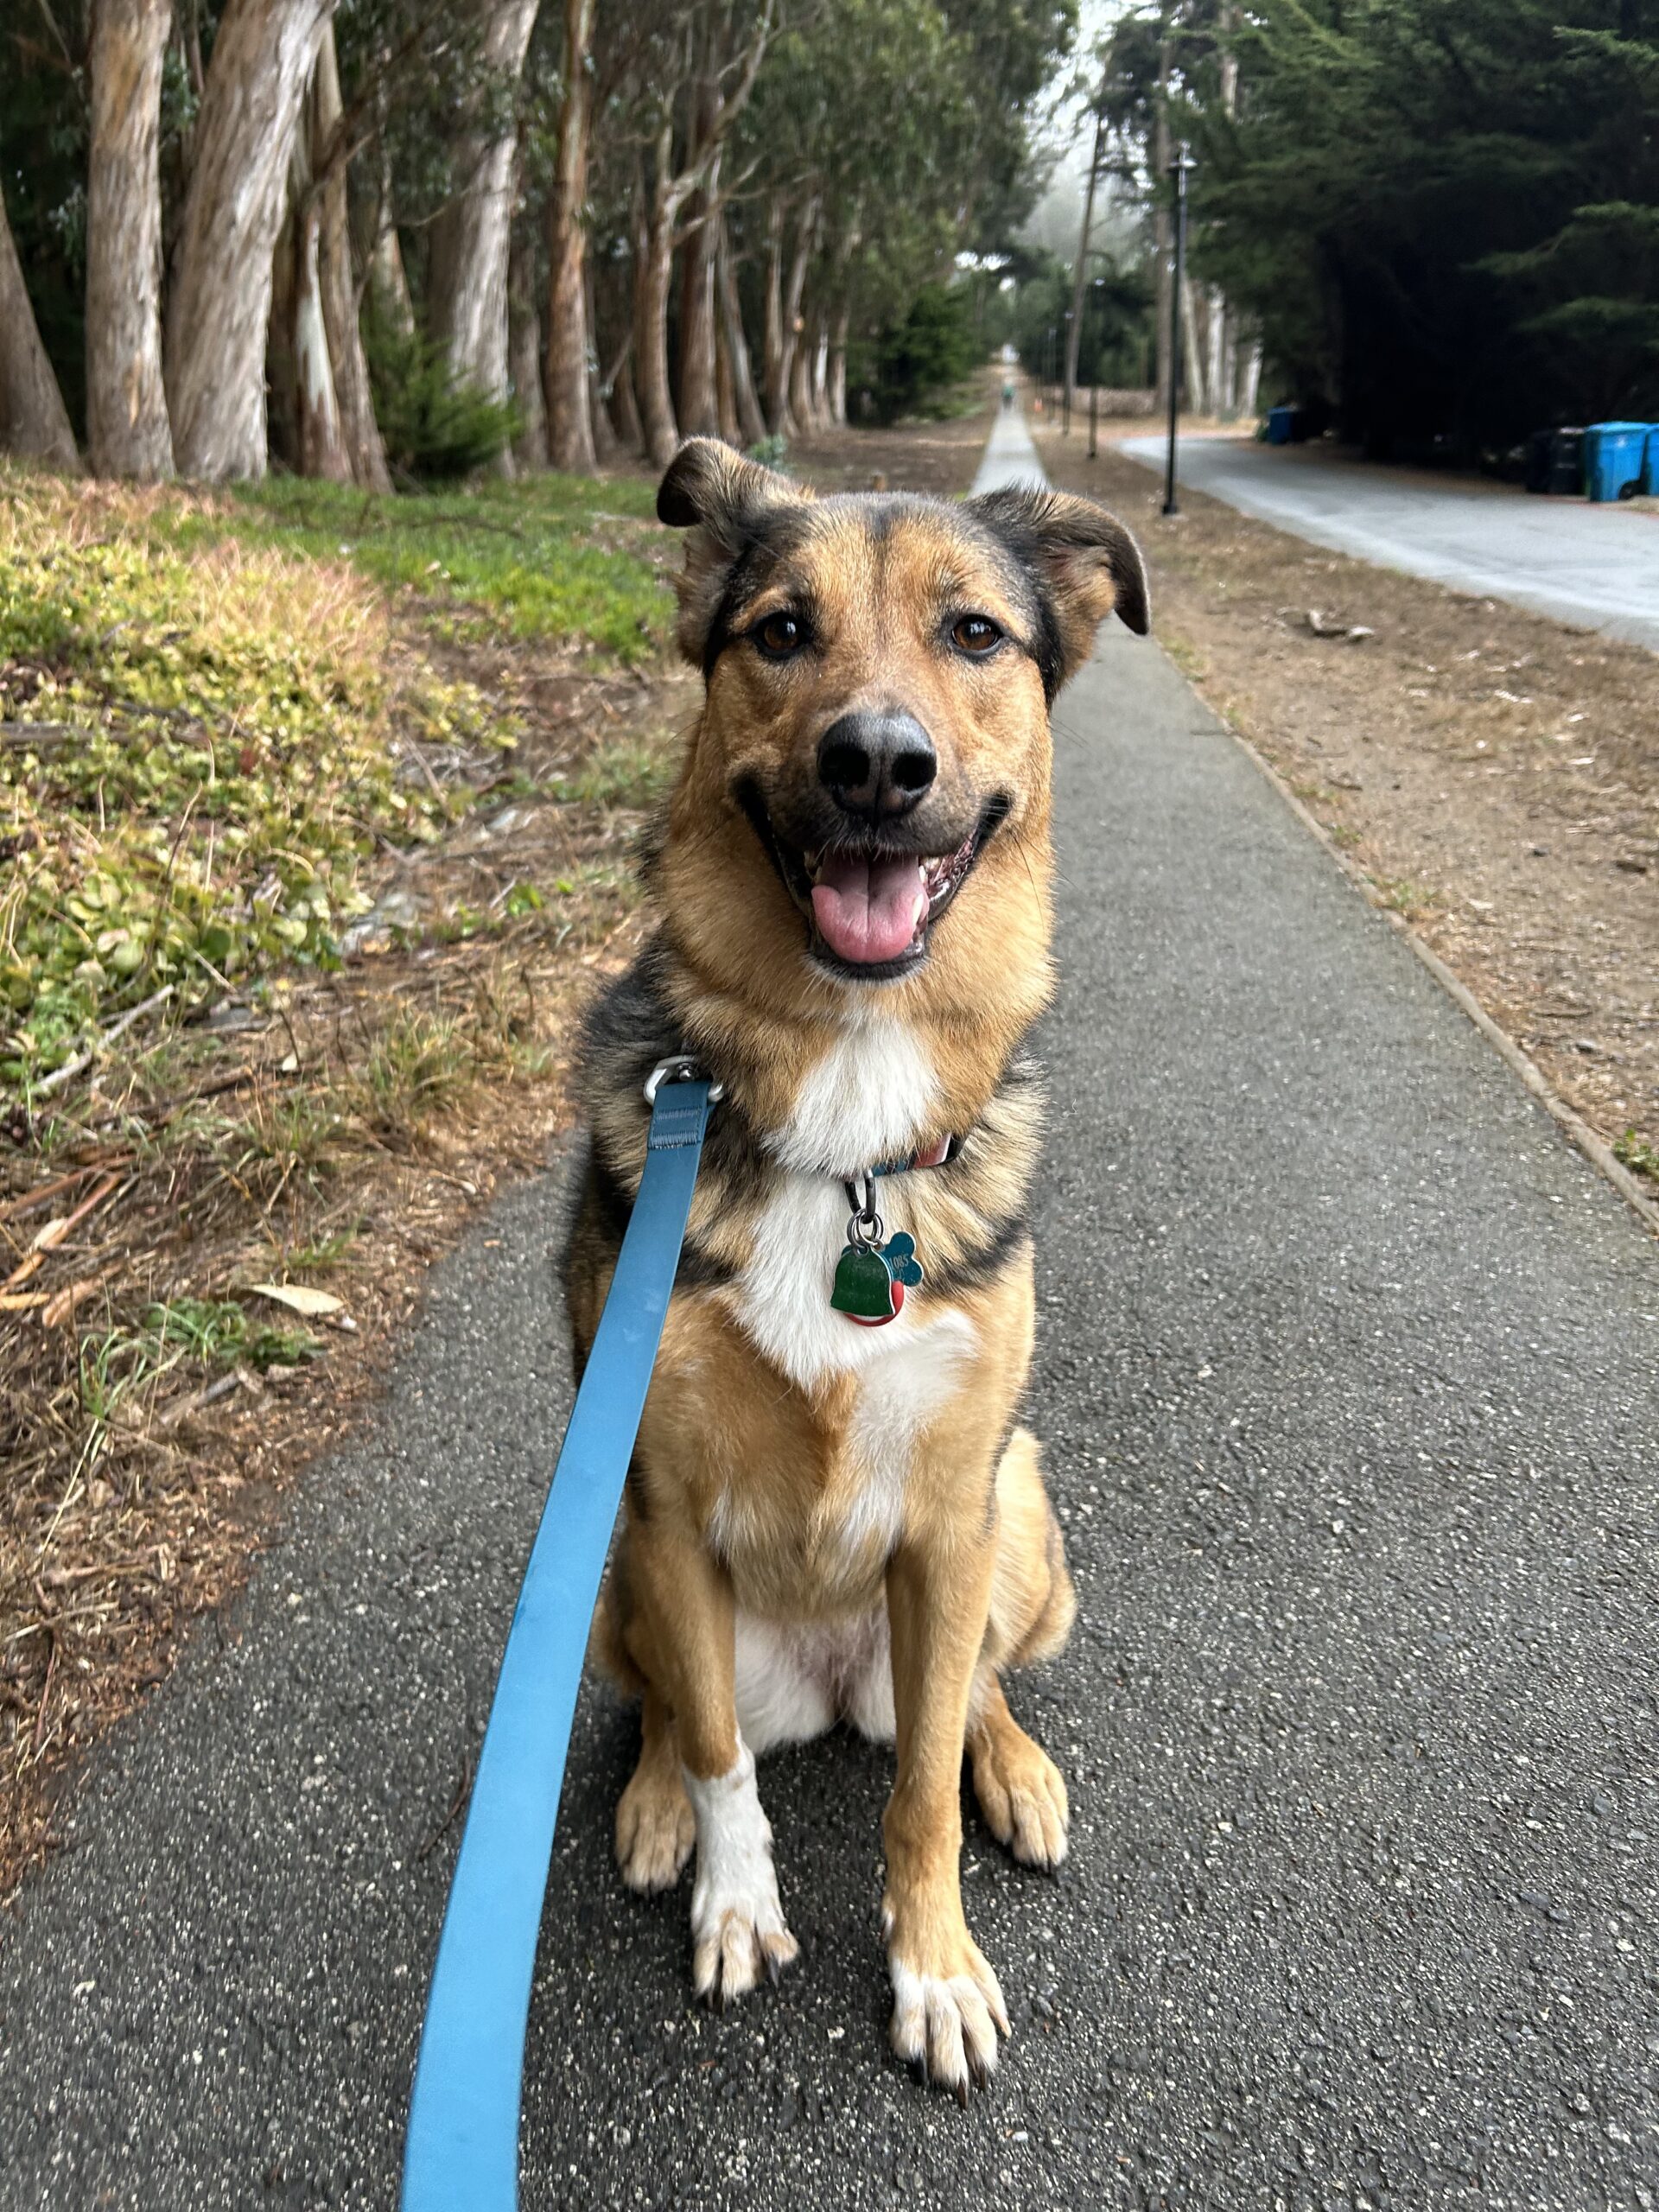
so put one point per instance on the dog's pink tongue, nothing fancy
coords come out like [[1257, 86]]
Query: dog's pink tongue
[[868, 910]]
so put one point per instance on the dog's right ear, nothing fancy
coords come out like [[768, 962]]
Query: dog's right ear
[[725, 501]]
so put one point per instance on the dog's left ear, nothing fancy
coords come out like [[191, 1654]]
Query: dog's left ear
[[725, 501], [1082, 560]]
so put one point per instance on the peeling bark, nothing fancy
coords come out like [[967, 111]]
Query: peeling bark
[[699, 407], [34, 421], [470, 246], [524, 357], [360, 432], [569, 407], [127, 433], [750, 420], [233, 209]]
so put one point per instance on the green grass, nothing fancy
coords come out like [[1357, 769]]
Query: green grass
[[208, 722], [218, 1333], [1634, 1153], [554, 557]]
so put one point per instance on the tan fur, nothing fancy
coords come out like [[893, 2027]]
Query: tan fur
[[763, 1484]]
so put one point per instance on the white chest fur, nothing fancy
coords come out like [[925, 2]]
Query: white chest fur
[[866, 1100]]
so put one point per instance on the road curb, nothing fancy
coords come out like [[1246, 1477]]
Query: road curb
[[1573, 1124]]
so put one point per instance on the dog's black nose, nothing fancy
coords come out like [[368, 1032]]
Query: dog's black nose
[[876, 765]]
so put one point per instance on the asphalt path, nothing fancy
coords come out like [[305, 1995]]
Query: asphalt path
[[1594, 566], [1349, 1378]]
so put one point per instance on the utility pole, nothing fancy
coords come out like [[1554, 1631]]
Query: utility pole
[[1179, 169]]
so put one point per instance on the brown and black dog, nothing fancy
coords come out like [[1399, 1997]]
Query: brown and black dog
[[828, 1518]]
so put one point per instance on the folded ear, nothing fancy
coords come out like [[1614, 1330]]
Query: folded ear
[[1083, 563], [726, 502]]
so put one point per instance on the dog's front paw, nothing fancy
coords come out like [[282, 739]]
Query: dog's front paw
[[738, 1931], [655, 1829], [1021, 1794], [947, 2016]]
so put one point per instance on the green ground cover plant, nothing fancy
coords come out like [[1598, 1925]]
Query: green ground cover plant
[[211, 720], [547, 557]]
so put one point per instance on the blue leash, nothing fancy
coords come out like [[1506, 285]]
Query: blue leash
[[461, 2151]]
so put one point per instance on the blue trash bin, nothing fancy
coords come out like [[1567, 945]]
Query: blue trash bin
[[1650, 465], [1614, 454], [1281, 422]]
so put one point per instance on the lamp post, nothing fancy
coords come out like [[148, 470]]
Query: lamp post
[[1179, 168]]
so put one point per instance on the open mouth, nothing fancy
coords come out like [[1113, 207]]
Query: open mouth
[[870, 907], [870, 910]]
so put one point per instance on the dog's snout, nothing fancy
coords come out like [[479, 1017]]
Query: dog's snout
[[876, 765]]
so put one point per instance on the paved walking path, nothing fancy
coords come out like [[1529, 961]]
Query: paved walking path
[[1349, 1373], [1597, 565]]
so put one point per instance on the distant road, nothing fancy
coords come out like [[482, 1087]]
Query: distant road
[[1594, 566]]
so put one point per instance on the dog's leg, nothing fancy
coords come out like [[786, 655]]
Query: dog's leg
[[655, 1825], [738, 1931], [947, 2007], [1018, 1787]]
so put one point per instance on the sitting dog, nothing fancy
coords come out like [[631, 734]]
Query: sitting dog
[[831, 1513]]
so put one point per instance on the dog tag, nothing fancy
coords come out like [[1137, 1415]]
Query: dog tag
[[864, 1287], [900, 1252]]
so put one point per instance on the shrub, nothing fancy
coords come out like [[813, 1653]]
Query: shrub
[[436, 426]]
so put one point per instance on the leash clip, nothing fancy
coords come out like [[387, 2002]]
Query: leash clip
[[681, 1067]]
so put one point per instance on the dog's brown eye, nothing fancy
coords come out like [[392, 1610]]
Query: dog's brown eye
[[976, 634], [780, 635]]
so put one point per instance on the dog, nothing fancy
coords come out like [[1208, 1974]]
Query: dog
[[832, 1511]]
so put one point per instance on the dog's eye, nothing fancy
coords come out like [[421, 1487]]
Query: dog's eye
[[976, 634], [779, 635]]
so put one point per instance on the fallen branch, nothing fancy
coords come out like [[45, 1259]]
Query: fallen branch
[[71, 1069]]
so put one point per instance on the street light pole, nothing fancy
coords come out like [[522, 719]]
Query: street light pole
[[1179, 169]]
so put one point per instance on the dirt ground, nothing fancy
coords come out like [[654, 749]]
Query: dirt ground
[[1495, 774]]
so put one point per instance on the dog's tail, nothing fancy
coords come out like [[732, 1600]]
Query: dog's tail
[[1033, 1602]]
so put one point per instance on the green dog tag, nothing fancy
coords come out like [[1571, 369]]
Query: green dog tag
[[863, 1285]]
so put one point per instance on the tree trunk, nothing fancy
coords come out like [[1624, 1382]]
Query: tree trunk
[[1215, 366], [654, 274], [127, 433], [1250, 380], [470, 245], [774, 363], [624, 407], [1080, 274], [233, 210], [525, 356], [321, 447], [699, 411], [734, 345], [782, 386], [1192, 377], [819, 387], [800, 378], [1162, 228], [34, 421], [388, 279], [358, 431], [599, 386], [725, 390], [838, 367], [569, 403]]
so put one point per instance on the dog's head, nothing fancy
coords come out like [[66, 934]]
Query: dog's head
[[879, 672]]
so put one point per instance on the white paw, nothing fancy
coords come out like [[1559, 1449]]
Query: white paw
[[947, 2024], [738, 1931]]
